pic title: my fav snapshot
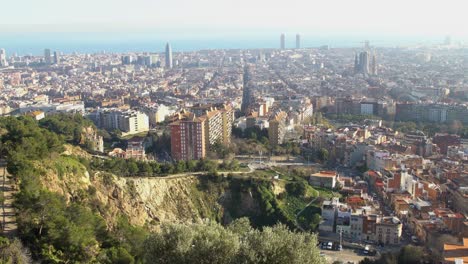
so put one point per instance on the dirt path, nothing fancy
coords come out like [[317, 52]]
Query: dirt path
[[8, 216]]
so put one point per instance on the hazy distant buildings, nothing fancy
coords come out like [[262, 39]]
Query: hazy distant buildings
[[366, 45], [298, 41], [127, 59], [448, 40], [437, 113], [373, 65], [282, 41], [168, 56], [3, 58], [362, 63], [56, 57], [47, 56]]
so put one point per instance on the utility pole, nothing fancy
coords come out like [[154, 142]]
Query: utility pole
[[341, 236]]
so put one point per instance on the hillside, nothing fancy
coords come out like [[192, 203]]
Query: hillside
[[69, 211]]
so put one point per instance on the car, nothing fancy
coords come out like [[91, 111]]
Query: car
[[366, 250], [324, 245], [337, 246], [329, 245]]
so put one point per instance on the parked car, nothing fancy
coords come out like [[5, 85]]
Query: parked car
[[329, 245], [366, 250], [323, 245], [337, 246]]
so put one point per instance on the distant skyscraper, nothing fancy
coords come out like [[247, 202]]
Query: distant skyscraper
[[168, 56], [298, 41], [282, 41], [47, 56], [56, 57], [3, 58], [246, 93], [373, 65]]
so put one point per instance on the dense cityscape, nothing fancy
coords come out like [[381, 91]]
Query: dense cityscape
[[365, 147]]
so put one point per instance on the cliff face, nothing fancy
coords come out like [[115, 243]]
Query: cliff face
[[147, 201]]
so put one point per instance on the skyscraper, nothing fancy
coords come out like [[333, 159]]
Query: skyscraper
[[3, 58], [47, 56], [246, 93], [298, 41], [168, 56], [56, 57], [373, 65], [282, 41]]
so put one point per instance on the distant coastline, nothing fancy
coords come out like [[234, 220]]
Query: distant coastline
[[35, 43]]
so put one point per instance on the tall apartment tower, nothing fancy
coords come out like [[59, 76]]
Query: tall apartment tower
[[3, 58], [298, 41], [188, 138], [277, 128], [282, 41], [168, 56], [218, 125], [47, 56]]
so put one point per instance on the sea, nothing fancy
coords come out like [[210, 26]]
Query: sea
[[34, 43]]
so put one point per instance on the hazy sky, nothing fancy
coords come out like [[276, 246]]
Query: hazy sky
[[429, 17]]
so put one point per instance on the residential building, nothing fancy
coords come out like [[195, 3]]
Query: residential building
[[454, 254], [127, 121], [388, 230], [188, 137], [326, 179], [277, 128]]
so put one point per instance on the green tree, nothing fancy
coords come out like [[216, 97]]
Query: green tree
[[323, 154]]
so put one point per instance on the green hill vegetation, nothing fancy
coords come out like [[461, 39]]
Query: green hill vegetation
[[73, 226]]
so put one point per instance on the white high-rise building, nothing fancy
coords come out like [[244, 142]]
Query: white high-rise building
[[3, 58], [168, 56]]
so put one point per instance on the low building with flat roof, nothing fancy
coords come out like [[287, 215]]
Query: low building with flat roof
[[327, 179]]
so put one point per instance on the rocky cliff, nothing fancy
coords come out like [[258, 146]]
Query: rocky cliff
[[149, 201]]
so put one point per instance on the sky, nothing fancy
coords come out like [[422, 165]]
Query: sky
[[392, 17]]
